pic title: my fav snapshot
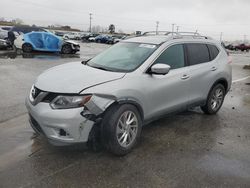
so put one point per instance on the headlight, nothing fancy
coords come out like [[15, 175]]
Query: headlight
[[66, 102]]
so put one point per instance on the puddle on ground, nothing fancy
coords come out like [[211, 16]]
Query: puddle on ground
[[36, 55]]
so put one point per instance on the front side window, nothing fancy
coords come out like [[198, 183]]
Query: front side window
[[123, 57], [197, 53], [173, 56]]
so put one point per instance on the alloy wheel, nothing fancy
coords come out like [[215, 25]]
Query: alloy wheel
[[126, 129]]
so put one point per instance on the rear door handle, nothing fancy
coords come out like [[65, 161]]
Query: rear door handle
[[184, 77], [213, 69]]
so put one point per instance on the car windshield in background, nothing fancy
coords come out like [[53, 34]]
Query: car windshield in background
[[123, 57]]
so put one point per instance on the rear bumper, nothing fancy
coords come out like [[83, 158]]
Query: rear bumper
[[61, 127]]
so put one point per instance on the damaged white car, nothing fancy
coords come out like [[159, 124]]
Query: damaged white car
[[134, 82]]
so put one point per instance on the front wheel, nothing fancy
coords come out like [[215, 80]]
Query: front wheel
[[215, 99], [66, 49], [121, 128]]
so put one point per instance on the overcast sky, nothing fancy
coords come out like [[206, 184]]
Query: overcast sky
[[210, 17]]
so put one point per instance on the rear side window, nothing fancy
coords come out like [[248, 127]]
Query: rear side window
[[213, 51], [173, 56], [197, 53]]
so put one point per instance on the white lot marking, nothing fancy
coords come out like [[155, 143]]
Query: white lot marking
[[241, 79]]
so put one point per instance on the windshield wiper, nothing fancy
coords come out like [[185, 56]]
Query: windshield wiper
[[85, 62], [101, 68]]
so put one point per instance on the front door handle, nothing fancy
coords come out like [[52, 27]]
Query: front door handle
[[184, 77], [213, 69]]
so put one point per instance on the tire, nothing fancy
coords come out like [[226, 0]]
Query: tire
[[27, 48], [66, 49], [215, 100], [120, 138], [98, 41]]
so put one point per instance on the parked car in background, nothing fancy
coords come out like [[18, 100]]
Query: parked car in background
[[5, 44], [104, 39], [6, 28], [111, 96], [3, 34], [90, 37], [59, 33], [44, 41], [243, 47], [118, 38], [72, 35], [230, 47], [26, 29]]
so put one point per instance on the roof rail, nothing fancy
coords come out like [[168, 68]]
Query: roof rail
[[150, 33], [176, 35]]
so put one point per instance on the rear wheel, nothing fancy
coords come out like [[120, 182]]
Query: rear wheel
[[66, 49], [121, 128], [215, 99], [27, 48]]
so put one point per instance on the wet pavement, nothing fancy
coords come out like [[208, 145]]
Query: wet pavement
[[185, 150]]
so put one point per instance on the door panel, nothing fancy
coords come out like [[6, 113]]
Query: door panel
[[202, 71], [201, 76], [166, 93]]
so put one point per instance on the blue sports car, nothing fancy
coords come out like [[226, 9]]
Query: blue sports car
[[47, 42]]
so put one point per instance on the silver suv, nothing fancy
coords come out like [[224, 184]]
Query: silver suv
[[130, 84]]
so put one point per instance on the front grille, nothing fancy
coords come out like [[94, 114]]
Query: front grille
[[35, 125], [35, 92]]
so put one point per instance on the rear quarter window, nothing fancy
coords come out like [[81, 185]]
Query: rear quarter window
[[213, 51], [197, 53]]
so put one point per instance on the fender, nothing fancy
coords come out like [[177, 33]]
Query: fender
[[133, 102]]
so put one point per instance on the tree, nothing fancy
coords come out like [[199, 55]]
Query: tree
[[112, 28]]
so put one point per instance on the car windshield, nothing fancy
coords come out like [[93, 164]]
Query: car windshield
[[123, 57]]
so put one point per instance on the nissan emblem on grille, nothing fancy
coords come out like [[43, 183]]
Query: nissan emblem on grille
[[33, 93]]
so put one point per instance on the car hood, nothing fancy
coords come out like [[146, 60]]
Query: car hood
[[71, 42], [73, 78]]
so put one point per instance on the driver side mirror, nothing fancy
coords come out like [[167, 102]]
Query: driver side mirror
[[160, 68]]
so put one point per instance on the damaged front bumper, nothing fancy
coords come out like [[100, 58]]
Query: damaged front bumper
[[67, 126], [61, 127]]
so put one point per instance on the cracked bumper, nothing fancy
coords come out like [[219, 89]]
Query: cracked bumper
[[61, 127]]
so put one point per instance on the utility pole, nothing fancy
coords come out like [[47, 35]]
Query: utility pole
[[90, 20], [221, 36], [173, 29], [177, 28], [157, 26]]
